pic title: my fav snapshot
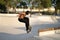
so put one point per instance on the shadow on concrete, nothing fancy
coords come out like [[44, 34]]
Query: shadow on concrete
[[7, 36], [36, 27], [25, 36]]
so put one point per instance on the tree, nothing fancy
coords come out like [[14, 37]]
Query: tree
[[6, 3], [22, 5], [46, 3], [18, 1], [41, 3], [38, 3], [15, 2], [58, 4], [2, 8], [57, 7], [2, 2], [9, 3]]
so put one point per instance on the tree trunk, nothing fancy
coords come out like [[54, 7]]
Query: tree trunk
[[7, 10], [55, 11]]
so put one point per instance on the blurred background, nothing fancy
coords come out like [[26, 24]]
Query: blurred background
[[43, 7]]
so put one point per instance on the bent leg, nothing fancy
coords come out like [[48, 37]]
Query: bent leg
[[21, 20], [26, 20]]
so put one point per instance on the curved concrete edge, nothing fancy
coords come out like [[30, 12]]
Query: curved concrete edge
[[8, 14], [17, 14], [48, 31]]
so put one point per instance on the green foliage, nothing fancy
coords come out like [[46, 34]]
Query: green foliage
[[37, 4], [2, 8], [18, 0], [29, 1], [58, 4], [6, 2], [2, 2], [46, 3], [22, 5], [42, 3]]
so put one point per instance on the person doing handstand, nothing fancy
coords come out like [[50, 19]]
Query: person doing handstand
[[22, 18]]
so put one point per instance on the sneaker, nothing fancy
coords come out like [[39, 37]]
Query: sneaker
[[28, 31], [30, 28]]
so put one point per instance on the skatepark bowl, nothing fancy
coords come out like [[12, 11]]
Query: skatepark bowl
[[12, 29]]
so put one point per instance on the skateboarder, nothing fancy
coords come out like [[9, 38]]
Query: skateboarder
[[22, 18]]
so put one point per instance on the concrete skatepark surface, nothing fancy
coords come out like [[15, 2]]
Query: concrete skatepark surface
[[12, 29]]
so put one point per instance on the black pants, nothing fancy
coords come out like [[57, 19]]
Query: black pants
[[26, 21]]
